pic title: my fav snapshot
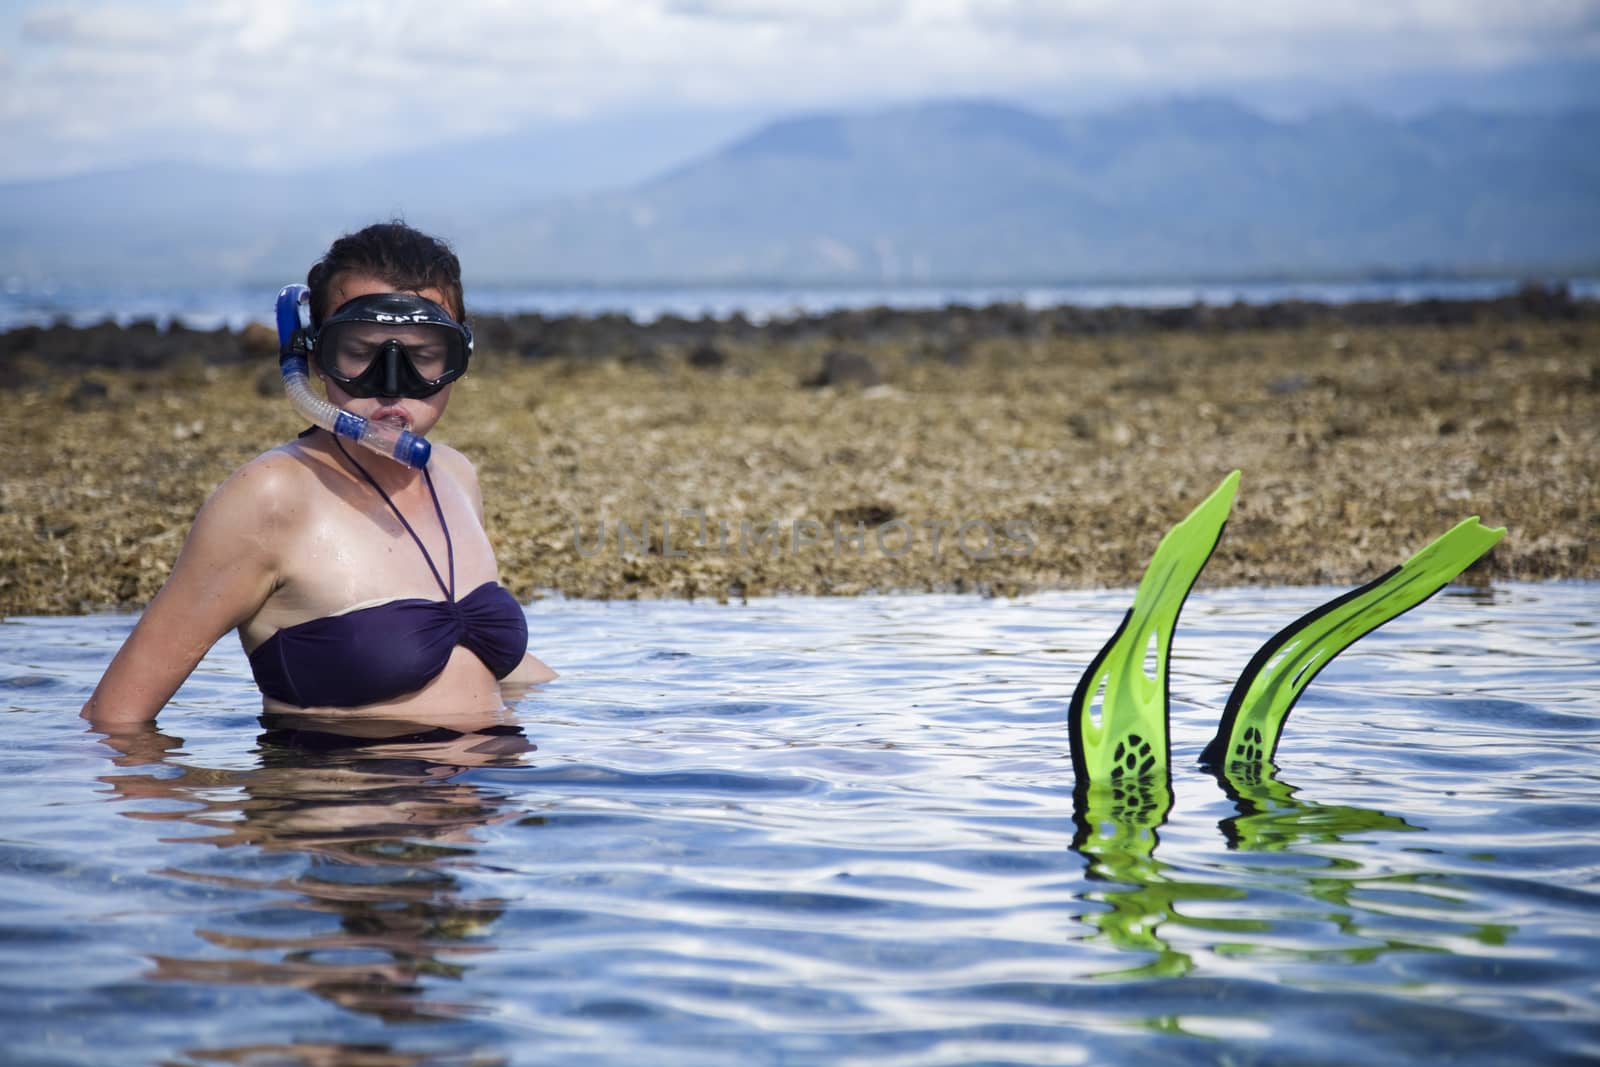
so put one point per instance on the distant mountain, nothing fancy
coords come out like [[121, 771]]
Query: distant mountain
[[949, 191], [976, 191], [181, 223]]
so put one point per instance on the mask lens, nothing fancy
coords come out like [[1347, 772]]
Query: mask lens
[[430, 357], [353, 346]]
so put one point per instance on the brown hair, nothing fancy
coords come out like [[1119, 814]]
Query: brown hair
[[392, 252]]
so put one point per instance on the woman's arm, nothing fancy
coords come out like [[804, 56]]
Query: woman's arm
[[227, 568], [531, 671]]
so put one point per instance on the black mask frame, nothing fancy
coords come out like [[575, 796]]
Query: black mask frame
[[392, 372]]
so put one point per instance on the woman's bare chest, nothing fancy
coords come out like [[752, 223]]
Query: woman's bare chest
[[345, 554]]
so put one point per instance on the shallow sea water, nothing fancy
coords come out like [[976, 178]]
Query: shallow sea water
[[808, 831]]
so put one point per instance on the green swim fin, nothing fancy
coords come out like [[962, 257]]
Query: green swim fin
[[1252, 722], [1129, 737]]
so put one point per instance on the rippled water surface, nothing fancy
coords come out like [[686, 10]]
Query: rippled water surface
[[824, 831]]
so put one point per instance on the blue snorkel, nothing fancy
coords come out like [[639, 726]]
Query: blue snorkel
[[294, 321]]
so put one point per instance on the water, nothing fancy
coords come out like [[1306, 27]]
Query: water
[[825, 831], [234, 306]]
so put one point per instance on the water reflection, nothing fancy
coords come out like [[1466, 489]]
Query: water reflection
[[334, 1054], [1271, 818], [381, 920], [1142, 907], [1118, 829]]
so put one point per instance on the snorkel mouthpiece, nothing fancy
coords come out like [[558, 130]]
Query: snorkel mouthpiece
[[294, 321]]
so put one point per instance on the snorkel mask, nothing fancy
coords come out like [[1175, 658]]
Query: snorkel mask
[[294, 342], [392, 345]]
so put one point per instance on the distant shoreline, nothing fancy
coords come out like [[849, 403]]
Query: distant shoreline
[[209, 308], [147, 344]]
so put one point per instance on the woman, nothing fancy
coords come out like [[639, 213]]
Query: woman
[[363, 591]]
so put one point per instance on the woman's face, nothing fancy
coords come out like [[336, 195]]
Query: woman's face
[[418, 416]]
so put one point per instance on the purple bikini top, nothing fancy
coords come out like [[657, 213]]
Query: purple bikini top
[[388, 650]]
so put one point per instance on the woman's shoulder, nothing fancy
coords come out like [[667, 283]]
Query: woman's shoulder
[[275, 484], [452, 461], [452, 465]]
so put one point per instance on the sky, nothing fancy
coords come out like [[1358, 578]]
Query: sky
[[290, 84]]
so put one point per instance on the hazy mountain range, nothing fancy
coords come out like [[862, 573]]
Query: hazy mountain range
[[941, 192]]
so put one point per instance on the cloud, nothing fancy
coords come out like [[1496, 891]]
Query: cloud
[[295, 81], [807, 12]]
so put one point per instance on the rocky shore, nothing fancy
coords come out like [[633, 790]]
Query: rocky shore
[[995, 450]]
